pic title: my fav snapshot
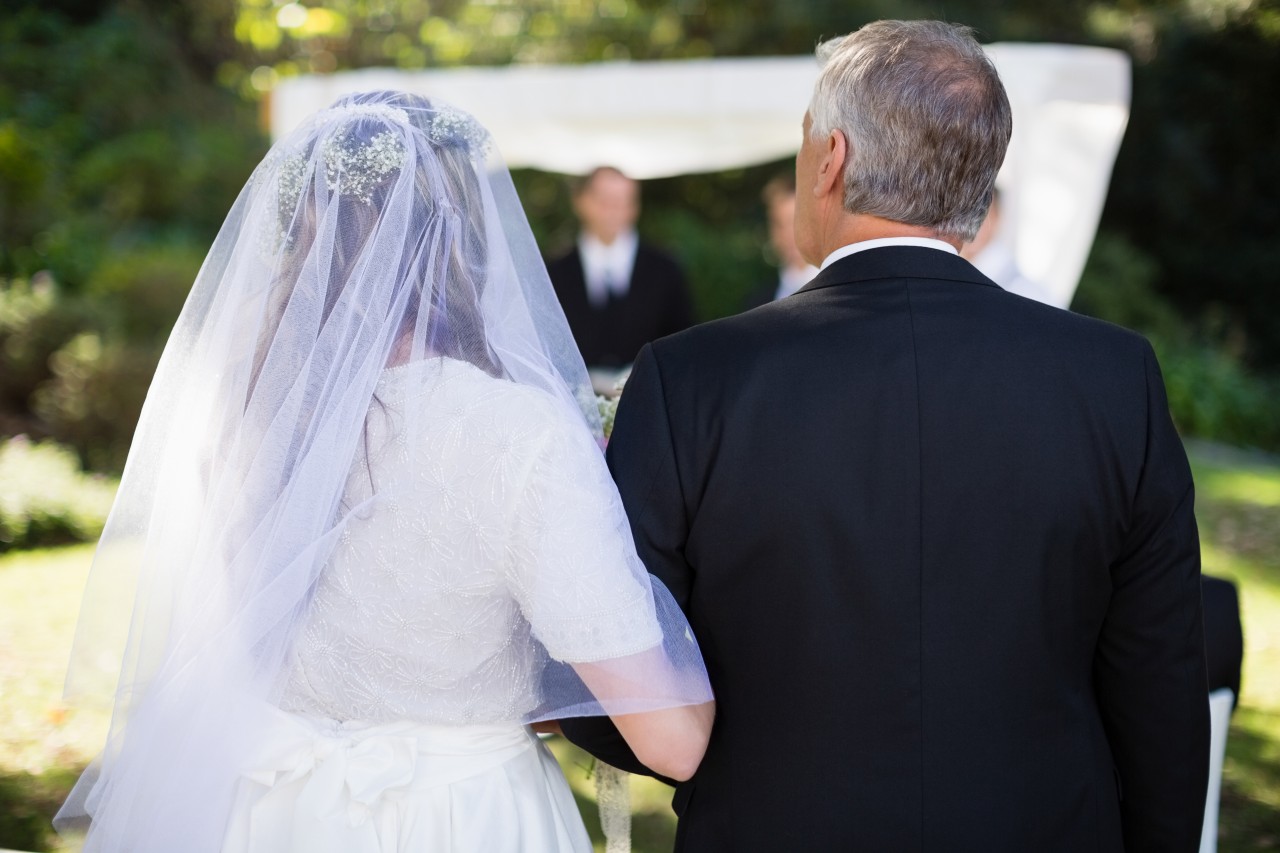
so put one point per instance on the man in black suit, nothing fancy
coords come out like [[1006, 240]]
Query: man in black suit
[[936, 540], [617, 293]]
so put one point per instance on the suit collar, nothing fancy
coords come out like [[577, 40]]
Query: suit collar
[[890, 262]]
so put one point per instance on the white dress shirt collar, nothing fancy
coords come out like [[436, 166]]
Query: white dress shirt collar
[[607, 268], [921, 242]]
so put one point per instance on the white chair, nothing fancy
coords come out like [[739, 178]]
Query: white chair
[[1220, 702]]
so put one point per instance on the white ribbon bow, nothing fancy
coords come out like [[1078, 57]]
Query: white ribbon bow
[[324, 793]]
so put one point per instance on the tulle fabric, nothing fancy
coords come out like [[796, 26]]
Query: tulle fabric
[[383, 232]]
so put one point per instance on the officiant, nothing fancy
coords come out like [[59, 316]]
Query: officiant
[[617, 292]]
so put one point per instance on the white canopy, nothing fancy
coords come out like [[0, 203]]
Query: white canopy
[[656, 119]]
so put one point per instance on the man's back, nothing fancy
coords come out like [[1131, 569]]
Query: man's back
[[911, 518]]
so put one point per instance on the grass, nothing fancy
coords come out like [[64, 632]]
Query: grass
[[39, 600], [43, 743]]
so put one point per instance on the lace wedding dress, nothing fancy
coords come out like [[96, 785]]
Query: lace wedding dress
[[398, 726]]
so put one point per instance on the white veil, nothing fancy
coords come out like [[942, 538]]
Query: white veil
[[385, 230]]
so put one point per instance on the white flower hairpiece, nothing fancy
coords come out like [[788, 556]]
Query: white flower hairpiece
[[351, 167], [454, 127], [355, 170]]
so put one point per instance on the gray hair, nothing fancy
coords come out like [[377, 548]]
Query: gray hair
[[926, 118]]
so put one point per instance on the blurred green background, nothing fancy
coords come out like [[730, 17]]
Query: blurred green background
[[127, 127]]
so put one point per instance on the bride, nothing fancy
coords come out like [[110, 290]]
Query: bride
[[365, 538]]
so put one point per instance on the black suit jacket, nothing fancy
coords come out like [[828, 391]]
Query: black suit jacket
[[657, 303], [937, 544]]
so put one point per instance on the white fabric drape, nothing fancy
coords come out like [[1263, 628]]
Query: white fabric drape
[[656, 119]]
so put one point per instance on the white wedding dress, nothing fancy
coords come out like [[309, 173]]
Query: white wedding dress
[[331, 595], [397, 726]]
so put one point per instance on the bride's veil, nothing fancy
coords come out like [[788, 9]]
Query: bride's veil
[[383, 231]]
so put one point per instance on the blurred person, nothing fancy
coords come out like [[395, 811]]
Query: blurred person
[[937, 541], [617, 292], [992, 254], [366, 537], [794, 272]]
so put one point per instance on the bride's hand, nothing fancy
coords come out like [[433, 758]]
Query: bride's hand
[[548, 727]]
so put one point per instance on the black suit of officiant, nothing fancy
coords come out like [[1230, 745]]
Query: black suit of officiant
[[656, 303], [936, 542]]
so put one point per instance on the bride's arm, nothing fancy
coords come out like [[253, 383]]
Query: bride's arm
[[590, 601], [669, 741]]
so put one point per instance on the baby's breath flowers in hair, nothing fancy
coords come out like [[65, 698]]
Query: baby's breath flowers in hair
[[352, 166], [355, 169], [453, 128]]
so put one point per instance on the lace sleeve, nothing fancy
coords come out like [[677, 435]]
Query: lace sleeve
[[571, 563]]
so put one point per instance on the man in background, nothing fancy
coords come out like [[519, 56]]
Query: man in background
[[617, 293], [991, 252], [794, 272]]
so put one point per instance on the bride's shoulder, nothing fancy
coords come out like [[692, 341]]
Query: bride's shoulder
[[465, 390]]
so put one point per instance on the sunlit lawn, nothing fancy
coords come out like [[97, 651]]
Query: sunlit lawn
[[43, 743]]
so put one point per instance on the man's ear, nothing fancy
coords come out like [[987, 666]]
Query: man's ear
[[831, 168]]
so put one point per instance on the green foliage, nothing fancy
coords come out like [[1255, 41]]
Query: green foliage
[[35, 321], [24, 825], [1118, 286], [27, 804], [118, 162], [723, 266], [139, 292], [1212, 392], [77, 368], [94, 400], [116, 141], [44, 497], [715, 225], [27, 182], [1212, 395], [1197, 185], [338, 34]]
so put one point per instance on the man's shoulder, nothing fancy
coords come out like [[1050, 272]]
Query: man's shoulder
[[1066, 327], [566, 258], [565, 268], [784, 322], [731, 336], [656, 258]]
